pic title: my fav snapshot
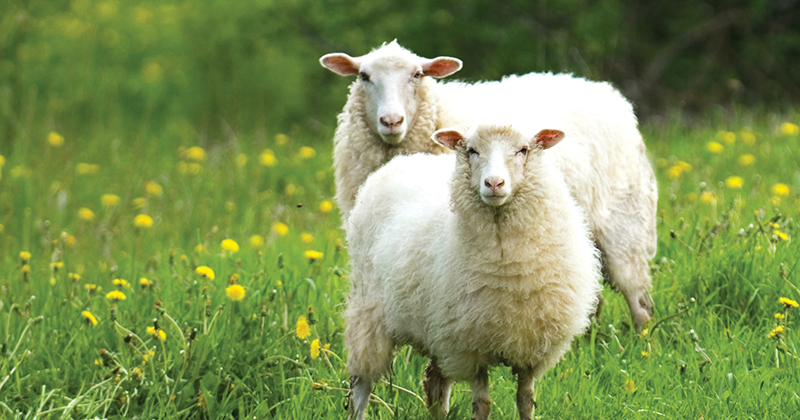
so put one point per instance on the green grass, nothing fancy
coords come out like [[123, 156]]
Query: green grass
[[718, 276]]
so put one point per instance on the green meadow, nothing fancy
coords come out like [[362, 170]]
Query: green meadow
[[165, 254]]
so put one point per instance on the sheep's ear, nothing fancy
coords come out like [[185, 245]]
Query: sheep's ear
[[441, 67], [548, 138], [448, 138], [341, 64]]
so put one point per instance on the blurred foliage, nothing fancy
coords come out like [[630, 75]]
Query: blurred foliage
[[142, 67]]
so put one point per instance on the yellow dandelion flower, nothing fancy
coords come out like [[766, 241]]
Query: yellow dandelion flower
[[139, 203], [302, 329], [143, 221], [115, 295], [235, 292], [89, 318], [55, 139], [2, 161], [24, 256], [306, 238], [746, 160], [52, 281], [109, 200], [788, 303], [267, 158], [325, 206], [241, 160], [158, 334], [148, 355], [674, 172], [280, 228], [145, 283], [151, 188], [781, 235], [776, 332], [327, 346], [734, 182], [728, 137], [715, 147], [281, 139], [256, 241], [69, 240], [315, 348], [87, 168], [313, 255], [307, 152], [26, 269], [74, 277], [645, 353], [781, 189], [120, 283], [780, 316], [790, 129], [630, 386], [196, 153], [230, 245], [91, 288], [747, 137], [199, 248], [204, 271], [86, 214], [57, 265]]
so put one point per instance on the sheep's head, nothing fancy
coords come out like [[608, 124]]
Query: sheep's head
[[496, 157], [390, 76]]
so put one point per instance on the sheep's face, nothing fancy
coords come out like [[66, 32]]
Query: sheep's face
[[497, 157], [390, 76]]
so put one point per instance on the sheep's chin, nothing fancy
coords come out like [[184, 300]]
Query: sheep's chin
[[495, 200], [393, 138]]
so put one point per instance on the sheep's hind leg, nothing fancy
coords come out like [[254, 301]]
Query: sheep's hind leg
[[437, 390], [360, 390], [481, 403], [525, 397]]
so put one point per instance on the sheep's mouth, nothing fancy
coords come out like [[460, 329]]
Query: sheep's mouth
[[494, 199], [392, 138]]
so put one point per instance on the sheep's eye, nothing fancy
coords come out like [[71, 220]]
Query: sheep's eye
[[418, 74], [523, 151], [364, 76], [472, 152]]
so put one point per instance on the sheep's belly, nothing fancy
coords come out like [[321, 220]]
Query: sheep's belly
[[491, 327]]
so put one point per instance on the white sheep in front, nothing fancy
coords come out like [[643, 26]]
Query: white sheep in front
[[476, 259], [393, 108]]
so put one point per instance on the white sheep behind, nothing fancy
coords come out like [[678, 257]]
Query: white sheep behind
[[392, 110], [487, 263]]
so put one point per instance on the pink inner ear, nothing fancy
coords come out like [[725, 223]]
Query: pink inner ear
[[448, 138], [341, 64], [441, 67], [548, 138]]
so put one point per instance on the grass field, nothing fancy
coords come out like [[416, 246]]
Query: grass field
[[186, 343]]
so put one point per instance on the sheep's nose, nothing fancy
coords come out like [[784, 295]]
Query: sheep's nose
[[391, 122], [494, 183]]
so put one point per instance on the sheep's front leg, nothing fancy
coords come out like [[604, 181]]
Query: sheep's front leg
[[360, 390], [437, 390], [481, 403], [525, 401]]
